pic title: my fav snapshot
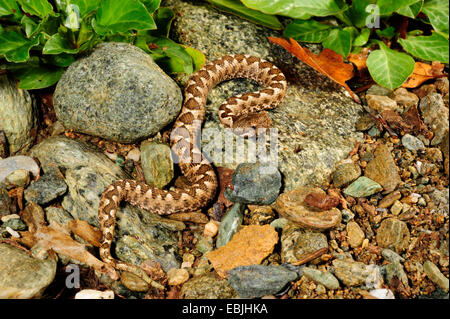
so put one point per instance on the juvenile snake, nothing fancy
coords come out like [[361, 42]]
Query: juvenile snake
[[194, 165]]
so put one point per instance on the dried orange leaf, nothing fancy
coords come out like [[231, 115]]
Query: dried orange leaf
[[89, 233], [327, 62], [247, 247], [424, 72]]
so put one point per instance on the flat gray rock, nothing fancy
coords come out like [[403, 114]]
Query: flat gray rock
[[317, 115], [116, 92]]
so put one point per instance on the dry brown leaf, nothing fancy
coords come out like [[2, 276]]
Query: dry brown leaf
[[424, 72], [54, 240], [327, 62], [89, 233], [359, 59]]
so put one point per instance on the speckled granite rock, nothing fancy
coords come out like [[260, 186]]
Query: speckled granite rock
[[383, 170], [22, 276], [316, 114], [393, 234], [435, 114], [116, 92], [88, 172], [17, 116], [207, 286]]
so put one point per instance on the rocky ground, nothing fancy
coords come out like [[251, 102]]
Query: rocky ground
[[354, 205]]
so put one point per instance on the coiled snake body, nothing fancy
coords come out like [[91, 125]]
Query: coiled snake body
[[195, 167]]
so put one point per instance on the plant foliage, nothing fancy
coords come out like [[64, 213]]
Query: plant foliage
[[346, 26], [39, 38]]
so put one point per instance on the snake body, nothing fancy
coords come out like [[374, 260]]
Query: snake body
[[193, 164]]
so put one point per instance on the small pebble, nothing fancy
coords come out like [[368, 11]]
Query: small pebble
[[134, 154], [177, 276], [363, 187], [436, 275], [396, 209], [5, 218], [412, 143], [355, 234], [12, 232], [382, 293], [211, 229], [94, 294]]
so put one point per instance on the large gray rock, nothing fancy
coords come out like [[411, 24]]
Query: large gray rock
[[17, 116], [87, 174], [317, 114], [116, 92], [22, 276]]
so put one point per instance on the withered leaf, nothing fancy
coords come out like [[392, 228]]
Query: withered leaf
[[327, 62], [424, 72]]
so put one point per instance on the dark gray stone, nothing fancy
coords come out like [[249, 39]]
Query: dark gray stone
[[117, 92], [256, 280], [255, 183], [47, 188]]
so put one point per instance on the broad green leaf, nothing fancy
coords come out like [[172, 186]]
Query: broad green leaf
[[362, 38], [297, 9], [151, 5], [62, 60], [58, 44], [387, 33], [438, 13], [389, 68], [198, 58], [29, 26], [141, 42], [14, 47], [121, 16], [358, 13], [40, 8], [390, 6], [431, 48], [411, 11], [307, 31], [353, 32], [163, 18], [255, 16], [171, 56], [10, 7], [38, 78], [85, 6], [340, 41]]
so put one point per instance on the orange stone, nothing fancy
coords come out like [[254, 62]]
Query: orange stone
[[249, 246]]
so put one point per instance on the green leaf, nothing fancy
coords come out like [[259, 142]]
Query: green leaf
[[431, 48], [40, 8], [357, 12], [171, 56], [340, 41], [387, 33], [121, 16], [85, 7], [297, 9], [438, 13], [362, 38], [58, 44], [389, 6], [163, 18], [29, 26], [151, 5], [198, 58], [10, 7], [411, 11], [14, 47], [255, 16], [307, 31], [389, 68], [62, 60], [38, 78]]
